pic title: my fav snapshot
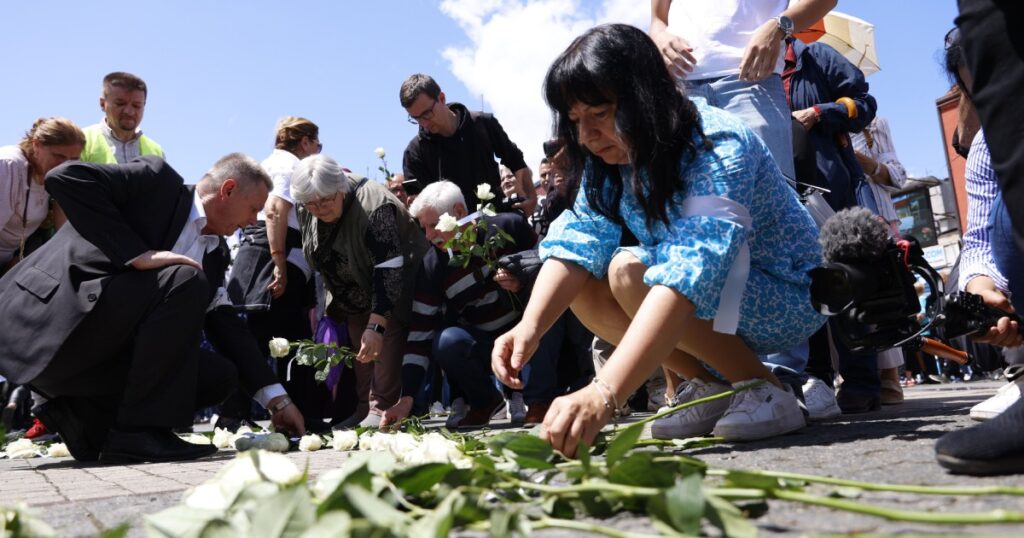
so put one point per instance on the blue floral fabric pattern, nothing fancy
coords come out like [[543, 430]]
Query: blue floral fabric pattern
[[695, 253]]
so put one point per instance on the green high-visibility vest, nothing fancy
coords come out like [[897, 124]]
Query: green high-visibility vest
[[97, 150]]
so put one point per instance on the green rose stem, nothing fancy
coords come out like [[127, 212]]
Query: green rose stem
[[555, 523], [869, 486], [946, 518], [545, 522], [586, 487]]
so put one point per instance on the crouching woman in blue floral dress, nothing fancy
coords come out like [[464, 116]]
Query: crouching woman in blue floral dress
[[720, 271]]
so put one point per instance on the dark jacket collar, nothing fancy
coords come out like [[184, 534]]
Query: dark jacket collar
[[463, 117], [181, 212]]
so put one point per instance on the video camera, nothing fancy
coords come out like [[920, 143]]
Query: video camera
[[867, 283]]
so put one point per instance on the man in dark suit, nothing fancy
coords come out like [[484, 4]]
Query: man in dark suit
[[105, 318]]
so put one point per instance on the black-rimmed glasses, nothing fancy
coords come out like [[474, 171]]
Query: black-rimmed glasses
[[426, 116]]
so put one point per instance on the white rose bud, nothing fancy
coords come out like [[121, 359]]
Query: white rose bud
[[402, 444], [483, 192], [58, 450], [366, 440], [222, 438], [379, 152], [310, 443], [22, 448], [279, 348], [488, 210], [447, 223], [209, 496], [345, 440]]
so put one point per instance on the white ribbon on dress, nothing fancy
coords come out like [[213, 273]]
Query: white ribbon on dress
[[727, 319]]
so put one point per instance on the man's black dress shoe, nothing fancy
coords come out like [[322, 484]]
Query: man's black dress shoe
[[82, 425], [153, 445]]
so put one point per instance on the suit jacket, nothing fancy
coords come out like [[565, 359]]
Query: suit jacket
[[115, 213]]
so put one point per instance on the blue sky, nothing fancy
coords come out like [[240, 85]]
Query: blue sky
[[222, 72]]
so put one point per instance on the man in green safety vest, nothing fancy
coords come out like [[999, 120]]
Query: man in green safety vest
[[117, 139]]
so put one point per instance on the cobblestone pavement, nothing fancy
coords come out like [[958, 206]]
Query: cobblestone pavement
[[894, 445]]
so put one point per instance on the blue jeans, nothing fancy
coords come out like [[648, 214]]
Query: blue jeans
[[760, 105], [465, 356], [1005, 253], [789, 366]]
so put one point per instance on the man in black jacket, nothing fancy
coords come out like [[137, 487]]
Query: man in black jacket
[[105, 318], [457, 145]]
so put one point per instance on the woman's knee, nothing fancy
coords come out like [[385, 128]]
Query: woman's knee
[[626, 281], [596, 308]]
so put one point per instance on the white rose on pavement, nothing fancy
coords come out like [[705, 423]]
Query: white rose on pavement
[[436, 448], [276, 467], [483, 192], [210, 495], [22, 449], [447, 223], [58, 450], [402, 444], [310, 443], [344, 440], [279, 348], [365, 440], [222, 438], [379, 152]]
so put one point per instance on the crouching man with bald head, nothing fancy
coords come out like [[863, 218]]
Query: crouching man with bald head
[[105, 318]]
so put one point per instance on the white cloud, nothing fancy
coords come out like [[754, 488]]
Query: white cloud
[[513, 42]]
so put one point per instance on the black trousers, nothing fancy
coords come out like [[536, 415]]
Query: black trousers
[[288, 317], [992, 33], [138, 351]]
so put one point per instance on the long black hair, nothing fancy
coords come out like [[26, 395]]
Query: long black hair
[[954, 59], [618, 63]]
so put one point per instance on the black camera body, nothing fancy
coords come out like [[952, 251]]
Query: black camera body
[[868, 285]]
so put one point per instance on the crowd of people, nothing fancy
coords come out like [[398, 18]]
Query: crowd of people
[[661, 256]]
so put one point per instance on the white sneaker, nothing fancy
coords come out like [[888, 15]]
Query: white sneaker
[[1006, 396], [760, 412], [515, 410], [820, 400], [692, 421], [458, 412]]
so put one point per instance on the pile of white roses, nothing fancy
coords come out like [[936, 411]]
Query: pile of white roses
[[26, 448]]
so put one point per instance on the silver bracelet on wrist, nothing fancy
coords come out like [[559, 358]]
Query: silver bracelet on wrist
[[608, 395]]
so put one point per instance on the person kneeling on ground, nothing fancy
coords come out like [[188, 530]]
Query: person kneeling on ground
[[720, 271], [459, 310], [105, 318]]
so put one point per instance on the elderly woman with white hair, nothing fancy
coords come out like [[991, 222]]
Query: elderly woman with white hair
[[460, 309], [367, 248]]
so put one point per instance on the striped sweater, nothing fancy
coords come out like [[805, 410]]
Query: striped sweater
[[452, 295]]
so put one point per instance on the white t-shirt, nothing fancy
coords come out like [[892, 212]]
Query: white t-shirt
[[279, 166], [719, 30], [14, 186]]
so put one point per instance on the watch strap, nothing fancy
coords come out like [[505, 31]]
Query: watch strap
[[285, 402]]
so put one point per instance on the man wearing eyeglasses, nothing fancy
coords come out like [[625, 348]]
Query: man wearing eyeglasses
[[457, 145]]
